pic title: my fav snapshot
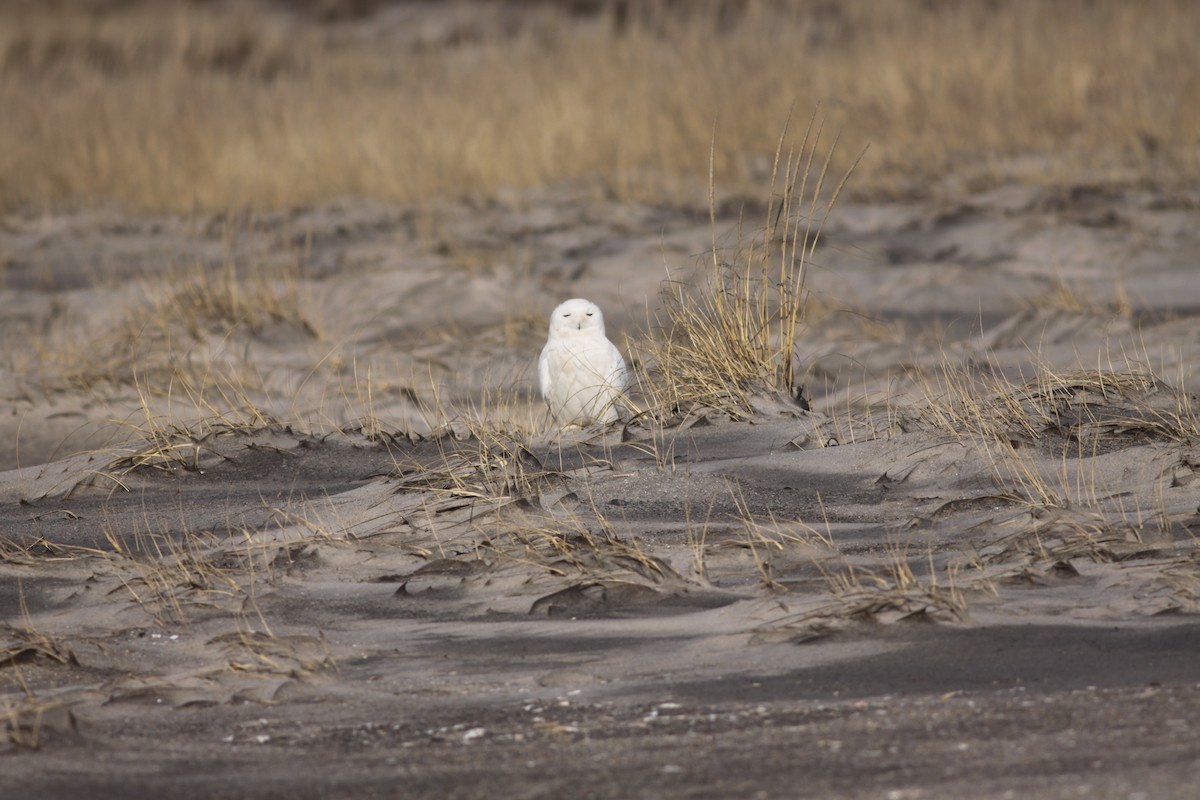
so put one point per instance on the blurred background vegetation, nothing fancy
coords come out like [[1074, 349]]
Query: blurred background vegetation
[[168, 105]]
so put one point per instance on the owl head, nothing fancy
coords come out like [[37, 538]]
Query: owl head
[[577, 317]]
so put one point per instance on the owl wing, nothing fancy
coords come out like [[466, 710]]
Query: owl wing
[[544, 371], [617, 375]]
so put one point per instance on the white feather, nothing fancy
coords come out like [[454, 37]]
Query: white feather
[[582, 374]]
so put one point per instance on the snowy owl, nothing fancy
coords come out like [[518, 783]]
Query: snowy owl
[[581, 372]]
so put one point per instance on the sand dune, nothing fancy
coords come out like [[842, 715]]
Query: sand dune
[[336, 544]]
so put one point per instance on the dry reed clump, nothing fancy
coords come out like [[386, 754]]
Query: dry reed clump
[[30, 721], [730, 343], [183, 106], [483, 462], [266, 653], [229, 298], [41, 550], [180, 575], [894, 593], [1060, 296], [888, 593], [219, 405], [579, 548], [175, 330], [1052, 538], [21, 644], [1043, 439], [169, 446], [894, 589], [771, 542], [175, 578], [1078, 413], [27, 720]]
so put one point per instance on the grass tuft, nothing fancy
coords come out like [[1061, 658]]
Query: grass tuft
[[731, 341]]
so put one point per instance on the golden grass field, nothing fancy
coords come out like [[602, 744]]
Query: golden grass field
[[193, 107], [903, 502]]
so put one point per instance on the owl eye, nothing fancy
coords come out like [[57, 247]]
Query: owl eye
[[589, 313]]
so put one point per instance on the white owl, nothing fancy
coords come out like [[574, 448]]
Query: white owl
[[581, 372]]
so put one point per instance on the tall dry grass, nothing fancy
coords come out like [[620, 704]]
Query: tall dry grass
[[180, 106], [730, 340]]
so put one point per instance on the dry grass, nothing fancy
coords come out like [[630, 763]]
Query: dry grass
[[25, 718], [26, 642], [577, 547], [41, 550], [182, 106], [886, 593], [170, 358], [173, 578], [770, 540], [1060, 296], [30, 721], [894, 592], [183, 329], [1043, 441], [731, 341], [185, 109], [179, 577], [1074, 413], [228, 299], [495, 469], [1055, 537], [264, 653]]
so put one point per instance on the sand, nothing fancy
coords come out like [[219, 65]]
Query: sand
[[348, 593]]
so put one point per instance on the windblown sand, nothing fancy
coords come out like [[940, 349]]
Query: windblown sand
[[277, 558]]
